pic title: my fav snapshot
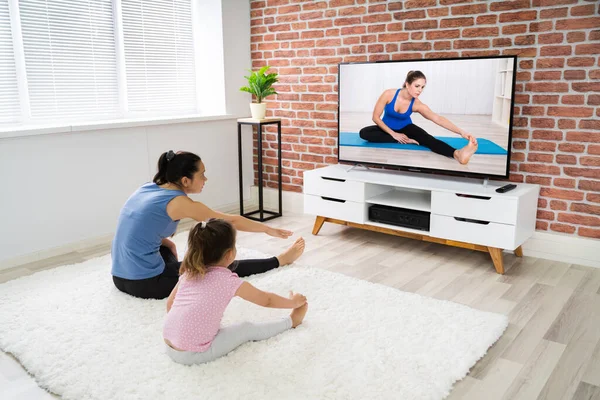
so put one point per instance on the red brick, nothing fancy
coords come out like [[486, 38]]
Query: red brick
[[589, 124], [583, 172], [587, 9], [518, 16], [542, 203], [565, 183], [502, 42], [550, 63], [539, 157], [438, 12], [420, 3], [342, 12], [586, 86], [579, 219], [514, 29], [593, 197], [550, 38], [469, 9], [486, 20], [589, 185], [540, 26], [541, 225], [526, 64], [562, 228], [540, 169], [580, 61], [370, 19], [555, 51], [583, 137], [577, 112], [480, 32], [547, 135], [547, 87], [456, 22], [416, 14], [547, 215], [561, 194], [585, 208], [537, 111], [542, 123], [420, 25], [554, 13], [565, 159], [566, 124], [574, 74], [573, 99], [593, 149], [574, 37], [588, 48], [571, 148], [589, 232], [590, 161], [558, 205], [509, 5], [578, 23], [538, 180]]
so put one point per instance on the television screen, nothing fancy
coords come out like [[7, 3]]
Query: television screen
[[450, 115]]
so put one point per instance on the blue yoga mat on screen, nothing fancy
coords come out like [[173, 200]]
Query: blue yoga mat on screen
[[484, 146]]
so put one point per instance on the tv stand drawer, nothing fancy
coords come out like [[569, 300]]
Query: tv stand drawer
[[468, 230], [336, 208], [334, 187], [487, 208]]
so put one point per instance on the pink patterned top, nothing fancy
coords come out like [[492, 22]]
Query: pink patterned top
[[198, 307]]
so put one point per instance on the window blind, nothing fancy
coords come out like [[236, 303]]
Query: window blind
[[70, 59], [9, 91], [159, 56]]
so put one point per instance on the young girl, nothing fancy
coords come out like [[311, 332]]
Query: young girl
[[206, 286]]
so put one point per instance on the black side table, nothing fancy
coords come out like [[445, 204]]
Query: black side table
[[259, 123]]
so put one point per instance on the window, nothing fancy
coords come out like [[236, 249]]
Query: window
[[75, 61]]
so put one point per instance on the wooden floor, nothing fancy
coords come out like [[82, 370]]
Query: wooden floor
[[551, 349]]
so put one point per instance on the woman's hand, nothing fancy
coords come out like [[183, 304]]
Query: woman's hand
[[298, 299], [403, 138], [278, 233], [469, 137]]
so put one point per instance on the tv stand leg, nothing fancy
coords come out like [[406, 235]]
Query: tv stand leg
[[319, 221], [519, 252], [497, 259]]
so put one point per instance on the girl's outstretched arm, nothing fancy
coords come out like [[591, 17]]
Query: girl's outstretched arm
[[271, 300]]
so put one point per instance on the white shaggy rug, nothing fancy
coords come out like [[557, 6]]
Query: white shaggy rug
[[83, 339]]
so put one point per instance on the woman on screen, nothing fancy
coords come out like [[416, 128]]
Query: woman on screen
[[396, 125]]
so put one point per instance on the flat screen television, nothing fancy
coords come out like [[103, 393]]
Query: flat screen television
[[459, 111]]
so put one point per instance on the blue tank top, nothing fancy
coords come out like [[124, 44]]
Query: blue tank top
[[142, 225], [395, 120]]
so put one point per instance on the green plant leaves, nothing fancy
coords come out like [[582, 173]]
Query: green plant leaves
[[259, 83]]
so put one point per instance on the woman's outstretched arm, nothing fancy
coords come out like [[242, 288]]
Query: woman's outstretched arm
[[444, 122], [184, 207]]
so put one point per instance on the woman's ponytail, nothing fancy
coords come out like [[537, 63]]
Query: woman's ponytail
[[161, 176]]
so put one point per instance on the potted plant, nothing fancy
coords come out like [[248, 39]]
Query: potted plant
[[260, 85]]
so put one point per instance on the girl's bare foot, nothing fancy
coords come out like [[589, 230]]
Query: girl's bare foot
[[464, 155], [292, 254], [298, 314]]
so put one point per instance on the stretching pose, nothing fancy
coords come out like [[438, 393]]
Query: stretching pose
[[396, 125], [192, 329], [144, 260]]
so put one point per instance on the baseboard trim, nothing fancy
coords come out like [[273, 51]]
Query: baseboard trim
[[232, 208]]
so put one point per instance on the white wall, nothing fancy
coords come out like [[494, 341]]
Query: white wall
[[62, 189], [453, 86]]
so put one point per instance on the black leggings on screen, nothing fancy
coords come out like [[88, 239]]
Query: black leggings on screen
[[160, 286], [375, 134]]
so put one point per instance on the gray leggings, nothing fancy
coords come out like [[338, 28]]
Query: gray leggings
[[229, 338]]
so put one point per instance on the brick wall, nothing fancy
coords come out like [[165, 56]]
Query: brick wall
[[556, 133]]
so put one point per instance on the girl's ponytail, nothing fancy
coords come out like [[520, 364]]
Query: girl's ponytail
[[207, 244]]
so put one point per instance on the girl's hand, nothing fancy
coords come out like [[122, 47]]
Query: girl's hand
[[298, 299], [403, 138], [279, 233]]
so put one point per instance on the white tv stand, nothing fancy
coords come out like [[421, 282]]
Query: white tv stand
[[464, 212]]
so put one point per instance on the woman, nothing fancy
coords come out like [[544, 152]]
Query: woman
[[396, 124], [144, 260]]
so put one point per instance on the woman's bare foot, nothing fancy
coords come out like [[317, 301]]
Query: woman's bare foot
[[292, 254], [298, 314], [464, 155]]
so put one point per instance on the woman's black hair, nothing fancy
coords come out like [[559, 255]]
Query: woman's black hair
[[413, 76], [172, 167]]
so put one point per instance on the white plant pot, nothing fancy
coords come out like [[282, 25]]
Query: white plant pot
[[258, 110]]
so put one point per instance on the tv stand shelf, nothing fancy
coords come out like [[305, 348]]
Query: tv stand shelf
[[463, 212]]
